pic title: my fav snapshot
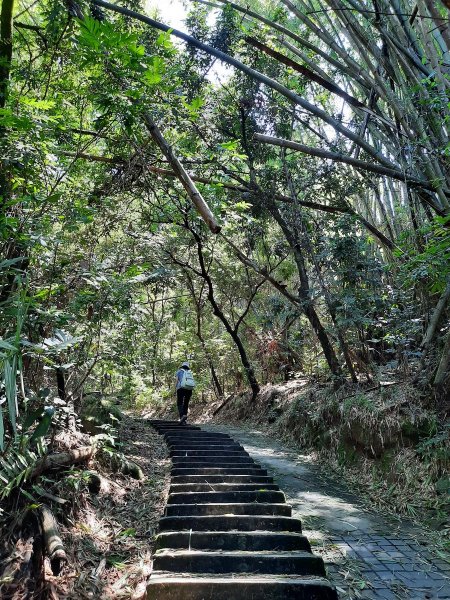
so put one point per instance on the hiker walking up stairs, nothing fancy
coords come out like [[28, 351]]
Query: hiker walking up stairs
[[227, 532]]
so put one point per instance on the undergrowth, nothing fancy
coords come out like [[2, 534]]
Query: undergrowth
[[389, 448]]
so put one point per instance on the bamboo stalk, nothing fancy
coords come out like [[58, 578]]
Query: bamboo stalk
[[328, 85], [257, 76], [53, 543], [182, 175], [338, 157], [250, 15]]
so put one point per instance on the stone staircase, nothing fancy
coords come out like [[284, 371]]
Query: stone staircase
[[227, 532]]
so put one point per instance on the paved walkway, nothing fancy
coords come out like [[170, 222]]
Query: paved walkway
[[367, 556]]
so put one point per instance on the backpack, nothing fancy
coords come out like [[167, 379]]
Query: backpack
[[187, 380]]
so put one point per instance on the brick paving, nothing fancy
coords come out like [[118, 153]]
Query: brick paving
[[367, 556], [393, 567]]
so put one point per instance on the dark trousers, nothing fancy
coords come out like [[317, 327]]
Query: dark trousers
[[183, 397]]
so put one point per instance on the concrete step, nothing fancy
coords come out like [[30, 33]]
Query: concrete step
[[168, 430], [213, 458], [194, 439], [157, 421], [176, 426], [225, 496], [225, 516], [275, 563], [226, 479], [208, 452], [253, 470], [191, 439], [184, 433], [233, 540], [231, 508], [161, 422], [204, 446], [230, 522], [218, 464], [177, 488], [181, 587], [181, 428]]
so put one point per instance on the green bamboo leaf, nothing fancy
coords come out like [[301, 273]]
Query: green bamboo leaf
[[31, 418], [10, 261], [9, 374]]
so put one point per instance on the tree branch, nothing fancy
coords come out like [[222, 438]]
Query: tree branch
[[281, 287], [244, 190]]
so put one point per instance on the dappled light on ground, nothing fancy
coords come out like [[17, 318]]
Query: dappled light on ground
[[368, 556]]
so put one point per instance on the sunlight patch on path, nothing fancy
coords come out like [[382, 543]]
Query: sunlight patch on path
[[368, 557]]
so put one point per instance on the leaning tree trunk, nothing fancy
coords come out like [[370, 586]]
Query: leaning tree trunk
[[432, 328], [6, 32], [304, 293], [442, 370]]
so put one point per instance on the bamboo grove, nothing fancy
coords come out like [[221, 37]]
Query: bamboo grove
[[265, 192]]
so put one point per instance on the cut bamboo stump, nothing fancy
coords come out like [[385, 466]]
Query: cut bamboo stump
[[53, 544]]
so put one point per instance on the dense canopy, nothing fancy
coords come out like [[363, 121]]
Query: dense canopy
[[265, 193]]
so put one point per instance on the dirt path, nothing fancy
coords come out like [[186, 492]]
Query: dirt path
[[367, 556]]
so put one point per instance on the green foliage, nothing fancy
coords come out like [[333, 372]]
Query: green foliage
[[18, 463], [430, 264], [437, 446], [359, 401], [99, 274]]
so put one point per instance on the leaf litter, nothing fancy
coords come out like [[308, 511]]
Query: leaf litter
[[108, 537]]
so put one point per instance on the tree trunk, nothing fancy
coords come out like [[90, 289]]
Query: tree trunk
[[436, 316], [324, 340], [432, 327], [439, 378], [61, 383], [6, 32], [249, 371], [215, 379], [62, 459], [198, 310], [304, 293]]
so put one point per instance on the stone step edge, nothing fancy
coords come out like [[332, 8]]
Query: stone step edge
[[180, 578], [238, 553]]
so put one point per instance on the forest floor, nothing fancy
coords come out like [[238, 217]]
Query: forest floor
[[108, 536], [368, 556]]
